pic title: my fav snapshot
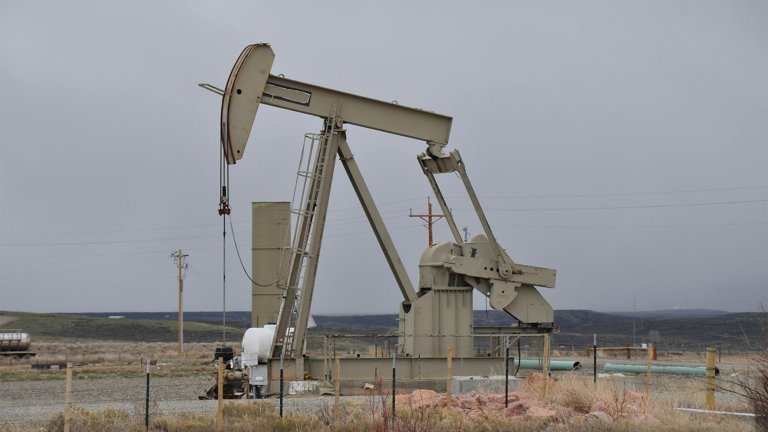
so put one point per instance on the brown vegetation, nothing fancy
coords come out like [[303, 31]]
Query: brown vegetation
[[97, 359], [573, 403], [5, 320]]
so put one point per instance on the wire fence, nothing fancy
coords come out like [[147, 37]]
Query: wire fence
[[172, 391]]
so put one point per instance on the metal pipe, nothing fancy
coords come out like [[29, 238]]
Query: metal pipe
[[594, 358], [703, 411], [282, 384], [554, 365], [146, 400], [506, 373], [667, 369], [394, 388]]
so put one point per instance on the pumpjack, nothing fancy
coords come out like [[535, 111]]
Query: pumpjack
[[449, 272]]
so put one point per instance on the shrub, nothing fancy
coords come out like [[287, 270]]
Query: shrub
[[107, 420]]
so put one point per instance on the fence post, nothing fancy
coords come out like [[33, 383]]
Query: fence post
[[545, 365], [506, 371], [594, 357], [649, 350], [146, 401], [220, 394], [710, 378], [282, 383], [448, 383], [394, 386], [326, 358], [68, 398], [337, 387]]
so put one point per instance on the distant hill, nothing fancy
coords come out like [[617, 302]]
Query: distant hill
[[79, 327], [234, 318], [674, 313], [482, 318], [378, 321], [685, 330], [572, 317], [730, 332]]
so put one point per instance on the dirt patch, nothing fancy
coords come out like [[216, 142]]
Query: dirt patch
[[5, 320]]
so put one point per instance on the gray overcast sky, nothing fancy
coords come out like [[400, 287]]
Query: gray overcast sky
[[622, 143]]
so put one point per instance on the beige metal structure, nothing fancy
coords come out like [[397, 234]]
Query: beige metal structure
[[438, 316], [270, 248], [449, 272], [251, 84]]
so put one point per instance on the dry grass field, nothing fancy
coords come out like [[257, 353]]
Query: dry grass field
[[110, 377], [570, 403], [106, 359], [5, 320]]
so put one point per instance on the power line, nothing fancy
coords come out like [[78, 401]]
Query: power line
[[107, 242], [347, 220], [179, 227], [194, 270], [74, 270], [378, 204], [352, 218], [582, 195], [245, 234], [577, 195], [91, 255], [636, 226], [526, 209], [128, 230]]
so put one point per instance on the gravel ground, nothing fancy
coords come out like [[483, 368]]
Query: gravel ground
[[40, 401], [30, 405]]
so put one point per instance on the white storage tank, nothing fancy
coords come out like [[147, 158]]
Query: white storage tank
[[14, 340], [257, 342]]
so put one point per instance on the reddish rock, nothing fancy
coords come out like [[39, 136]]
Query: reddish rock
[[516, 409], [468, 404], [603, 417], [533, 377], [598, 406], [403, 399], [471, 395], [538, 411], [495, 398], [419, 398], [535, 381], [441, 402]]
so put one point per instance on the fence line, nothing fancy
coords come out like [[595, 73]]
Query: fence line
[[79, 396]]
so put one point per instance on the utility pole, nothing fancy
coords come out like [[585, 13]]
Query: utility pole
[[429, 218], [179, 258]]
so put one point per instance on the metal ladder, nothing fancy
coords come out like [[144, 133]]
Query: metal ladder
[[309, 178]]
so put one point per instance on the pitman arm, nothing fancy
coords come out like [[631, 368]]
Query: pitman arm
[[473, 264], [482, 263]]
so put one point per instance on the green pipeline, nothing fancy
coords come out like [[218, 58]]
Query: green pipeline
[[665, 369], [554, 365]]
